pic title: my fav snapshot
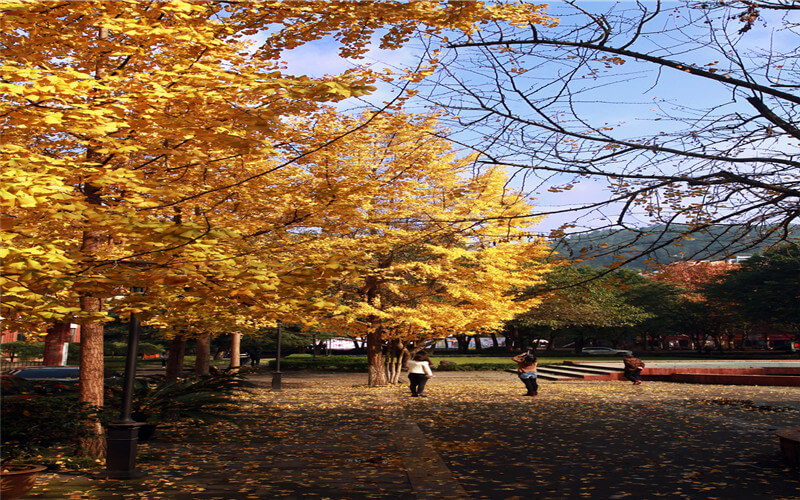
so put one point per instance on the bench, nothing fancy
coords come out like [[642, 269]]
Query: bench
[[790, 444]]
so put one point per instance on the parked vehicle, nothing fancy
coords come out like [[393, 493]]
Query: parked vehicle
[[40, 380], [604, 351], [48, 373], [785, 345]]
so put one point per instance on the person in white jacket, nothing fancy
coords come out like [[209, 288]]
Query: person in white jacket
[[419, 371]]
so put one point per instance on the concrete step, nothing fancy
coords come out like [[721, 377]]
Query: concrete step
[[560, 370], [593, 369], [572, 372], [545, 374], [553, 376]]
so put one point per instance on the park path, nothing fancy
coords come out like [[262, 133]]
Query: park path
[[327, 435]]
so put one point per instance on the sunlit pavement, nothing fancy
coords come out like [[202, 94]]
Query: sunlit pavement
[[475, 436]]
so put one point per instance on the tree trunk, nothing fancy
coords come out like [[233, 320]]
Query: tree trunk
[[202, 359], [92, 365], [54, 341], [495, 342], [236, 350], [90, 386], [397, 355], [579, 343], [512, 338], [477, 339], [391, 370], [376, 375], [177, 349], [391, 362], [463, 343]]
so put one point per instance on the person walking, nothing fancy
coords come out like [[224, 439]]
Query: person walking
[[255, 356], [526, 370], [419, 371], [164, 356], [633, 368]]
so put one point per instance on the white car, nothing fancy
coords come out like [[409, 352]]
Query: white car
[[604, 351]]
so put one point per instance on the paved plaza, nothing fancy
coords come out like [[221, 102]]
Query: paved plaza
[[327, 435]]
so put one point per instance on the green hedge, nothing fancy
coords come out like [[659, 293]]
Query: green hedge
[[19, 350], [359, 363], [33, 423], [323, 363], [450, 366]]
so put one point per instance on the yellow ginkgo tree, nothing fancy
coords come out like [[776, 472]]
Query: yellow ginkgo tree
[[132, 130], [436, 247]]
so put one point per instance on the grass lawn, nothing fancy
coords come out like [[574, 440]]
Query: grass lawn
[[495, 361]]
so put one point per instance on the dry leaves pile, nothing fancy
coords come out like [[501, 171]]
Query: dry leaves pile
[[327, 436]]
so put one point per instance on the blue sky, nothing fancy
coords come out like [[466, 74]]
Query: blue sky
[[637, 105]]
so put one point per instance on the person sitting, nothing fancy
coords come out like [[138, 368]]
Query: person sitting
[[633, 369]]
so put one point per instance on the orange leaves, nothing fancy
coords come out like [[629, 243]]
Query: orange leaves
[[693, 275]]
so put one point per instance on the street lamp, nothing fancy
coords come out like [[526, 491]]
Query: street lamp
[[122, 436], [276, 375]]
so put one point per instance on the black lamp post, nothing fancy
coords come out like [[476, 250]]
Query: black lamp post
[[122, 436], [276, 375]]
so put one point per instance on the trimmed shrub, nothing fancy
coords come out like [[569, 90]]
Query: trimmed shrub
[[31, 424]]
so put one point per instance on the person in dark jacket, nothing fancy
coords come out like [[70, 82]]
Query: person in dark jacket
[[633, 369], [255, 356]]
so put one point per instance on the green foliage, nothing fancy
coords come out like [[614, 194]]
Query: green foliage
[[206, 398], [660, 300], [602, 246], [120, 349], [23, 350], [291, 341], [450, 366], [115, 349], [579, 302], [33, 424], [148, 348], [765, 289], [471, 362], [73, 353]]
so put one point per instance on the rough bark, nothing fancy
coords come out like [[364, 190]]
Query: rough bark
[[376, 375], [202, 360], [90, 387], [376, 371], [177, 350]]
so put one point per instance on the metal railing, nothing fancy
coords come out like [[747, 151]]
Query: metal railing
[[7, 365]]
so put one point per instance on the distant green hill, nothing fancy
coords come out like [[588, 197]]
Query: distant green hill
[[716, 243]]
